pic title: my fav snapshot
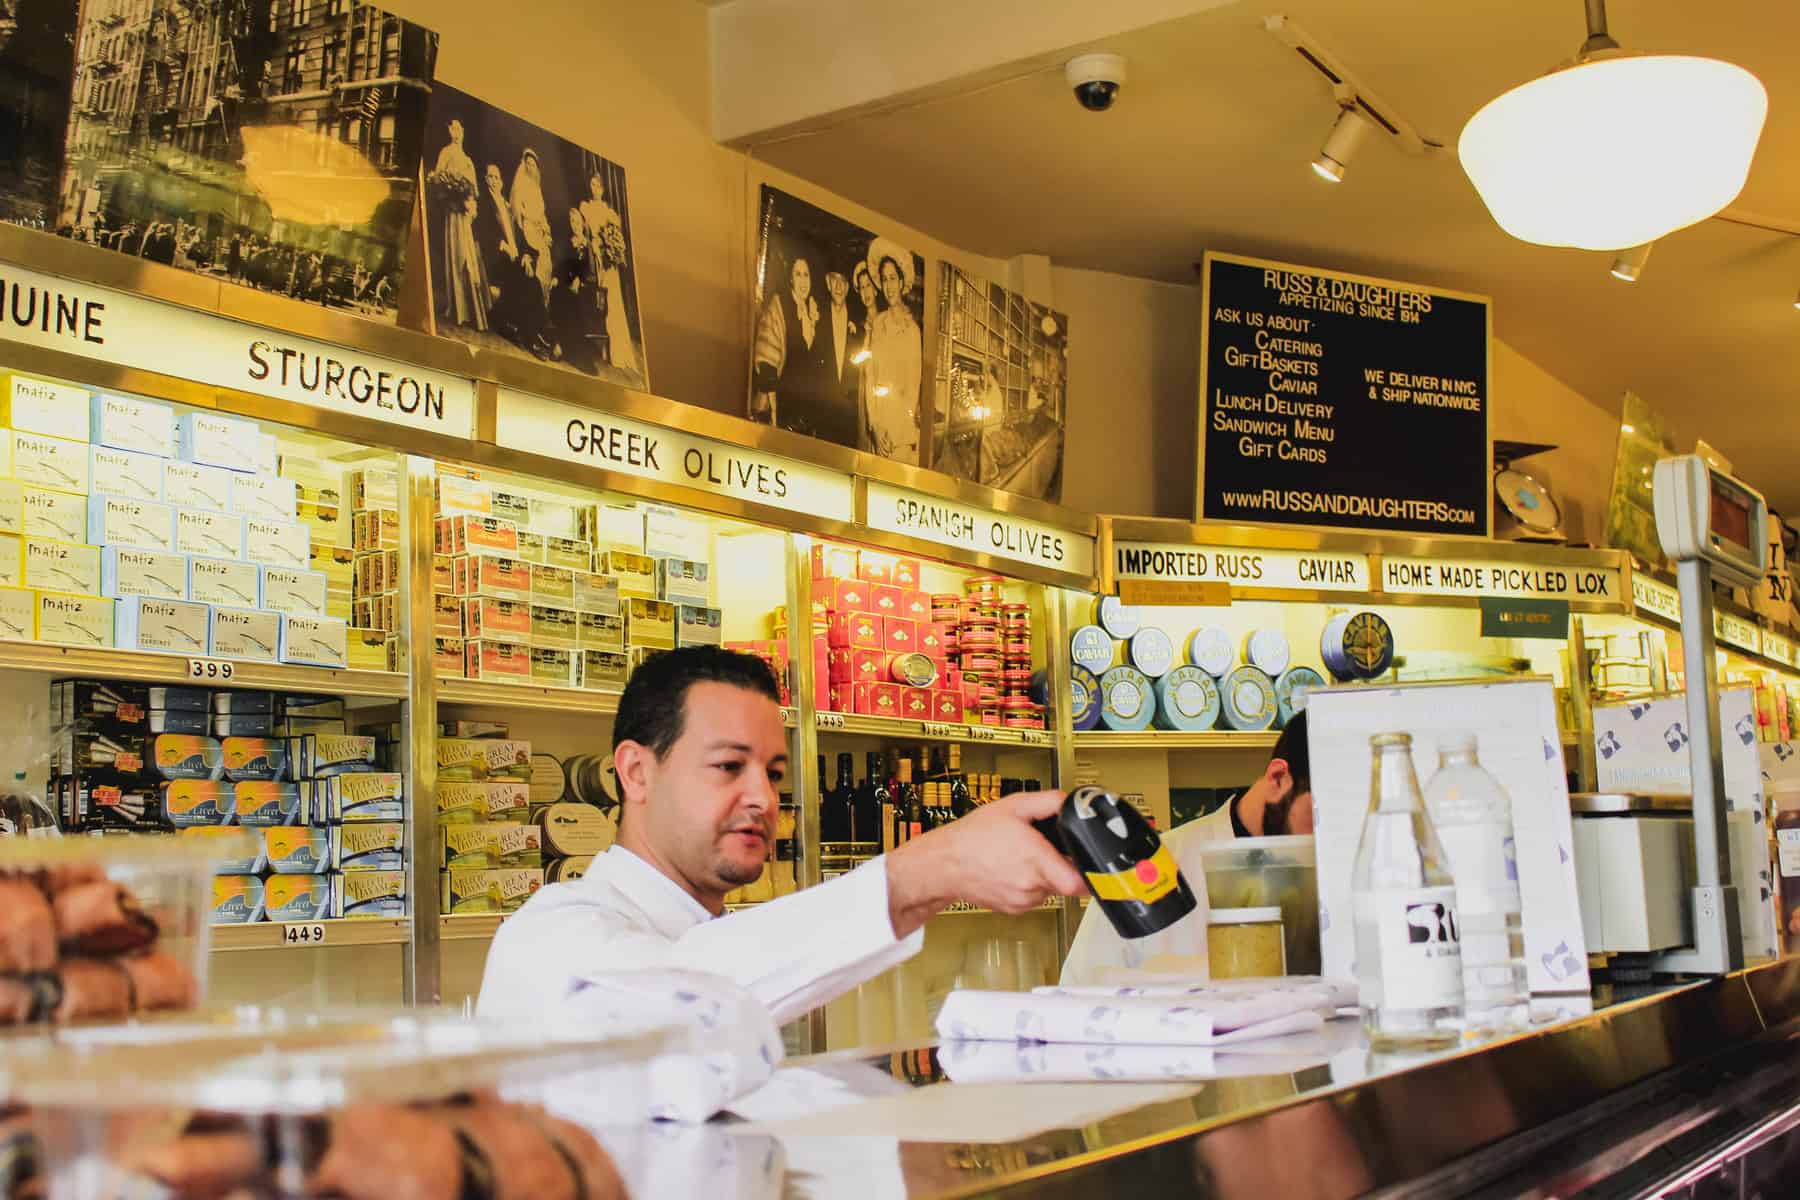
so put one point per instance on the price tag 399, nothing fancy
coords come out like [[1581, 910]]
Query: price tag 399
[[217, 670], [306, 934]]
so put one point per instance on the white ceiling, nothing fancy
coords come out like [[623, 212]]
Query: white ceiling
[[1207, 149]]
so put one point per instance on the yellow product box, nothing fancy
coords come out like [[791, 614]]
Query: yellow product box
[[553, 626], [458, 495], [315, 480], [602, 670], [76, 620], [325, 521], [374, 487], [39, 406], [487, 658], [468, 846], [568, 553], [597, 631], [372, 650], [552, 585], [12, 506], [52, 566], [597, 594], [476, 535], [371, 846], [521, 844], [512, 506], [489, 891], [12, 560], [483, 575], [649, 623], [443, 575], [507, 620], [552, 667], [447, 656], [46, 513], [196, 485], [480, 759], [447, 613], [531, 547], [459, 801], [376, 612], [6, 453], [376, 571], [639, 655], [337, 563], [18, 614], [50, 462], [375, 529], [636, 573], [370, 894], [612, 527]]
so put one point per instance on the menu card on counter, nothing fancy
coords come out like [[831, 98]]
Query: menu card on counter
[[1341, 401]]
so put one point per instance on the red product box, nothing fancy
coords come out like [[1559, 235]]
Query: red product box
[[915, 703], [915, 604], [883, 700], [931, 640], [907, 573], [875, 567], [856, 631], [821, 673], [834, 562], [946, 705], [824, 592], [950, 677], [884, 600], [840, 668], [868, 666], [839, 698], [849, 596], [944, 671], [858, 695], [899, 635]]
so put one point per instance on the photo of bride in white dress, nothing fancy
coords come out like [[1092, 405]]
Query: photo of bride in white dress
[[530, 242]]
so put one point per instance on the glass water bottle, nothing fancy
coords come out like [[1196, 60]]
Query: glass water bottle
[[1408, 942]]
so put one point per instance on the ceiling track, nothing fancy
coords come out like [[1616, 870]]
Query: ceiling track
[[1347, 90]]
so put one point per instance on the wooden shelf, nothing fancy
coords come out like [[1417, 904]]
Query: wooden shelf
[[933, 731], [471, 927], [148, 667], [1166, 739], [346, 931], [527, 695]]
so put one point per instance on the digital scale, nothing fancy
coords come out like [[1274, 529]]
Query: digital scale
[[1708, 523]]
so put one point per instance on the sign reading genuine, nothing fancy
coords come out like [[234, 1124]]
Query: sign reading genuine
[[948, 523], [1241, 567], [573, 434], [1431, 576], [132, 331]]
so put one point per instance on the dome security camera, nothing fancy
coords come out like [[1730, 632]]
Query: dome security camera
[[1095, 79]]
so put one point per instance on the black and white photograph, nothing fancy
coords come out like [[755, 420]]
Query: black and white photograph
[[270, 143], [37, 63], [1002, 395], [530, 242], [839, 340]]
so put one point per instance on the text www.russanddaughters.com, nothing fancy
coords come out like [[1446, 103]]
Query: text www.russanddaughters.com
[[1392, 508]]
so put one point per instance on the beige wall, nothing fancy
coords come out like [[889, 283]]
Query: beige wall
[[633, 81]]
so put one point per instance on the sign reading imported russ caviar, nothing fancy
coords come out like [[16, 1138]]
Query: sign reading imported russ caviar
[[934, 519], [554, 429], [1239, 566], [1340, 401], [132, 331]]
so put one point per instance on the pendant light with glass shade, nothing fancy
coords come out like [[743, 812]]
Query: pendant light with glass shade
[[1616, 148]]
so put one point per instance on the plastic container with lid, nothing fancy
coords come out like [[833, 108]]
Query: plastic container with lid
[[1267, 651], [1291, 689], [101, 928], [1152, 652], [1210, 648], [1093, 649], [1127, 701], [1247, 696], [1119, 619], [1187, 699], [1246, 943], [1270, 871]]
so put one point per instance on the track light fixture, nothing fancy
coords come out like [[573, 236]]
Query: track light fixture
[[1345, 136], [1629, 264]]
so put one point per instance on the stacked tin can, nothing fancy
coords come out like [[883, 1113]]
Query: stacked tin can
[[990, 641]]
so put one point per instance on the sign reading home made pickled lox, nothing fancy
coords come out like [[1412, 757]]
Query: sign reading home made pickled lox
[[949, 523], [1239, 566], [1435, 575], [554, 429], [133, 331]]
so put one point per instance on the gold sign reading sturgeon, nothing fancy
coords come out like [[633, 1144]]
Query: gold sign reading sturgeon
[[1430, 575], [965, 527], [1242, 567], [568, 432], [132, 331]]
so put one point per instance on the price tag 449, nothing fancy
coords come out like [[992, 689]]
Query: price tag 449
[[215, 669], [306, 934]]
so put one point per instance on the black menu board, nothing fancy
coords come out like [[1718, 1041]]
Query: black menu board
[[1342, 402]]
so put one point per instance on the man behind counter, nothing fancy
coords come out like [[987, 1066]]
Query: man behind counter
[[1279, 802], [700, 754]]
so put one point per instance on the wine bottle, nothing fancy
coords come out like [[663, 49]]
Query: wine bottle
[[884, 803], [867, 825], [960, 802], [827, 826], [909, 808]]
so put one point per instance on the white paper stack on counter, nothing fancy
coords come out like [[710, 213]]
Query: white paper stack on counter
[[1147, 1013]]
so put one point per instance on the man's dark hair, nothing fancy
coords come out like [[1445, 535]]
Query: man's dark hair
[[1291, 749], [654, 707]]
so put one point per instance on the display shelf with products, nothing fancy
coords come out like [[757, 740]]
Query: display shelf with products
[[316, 935], [1160, 739]]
